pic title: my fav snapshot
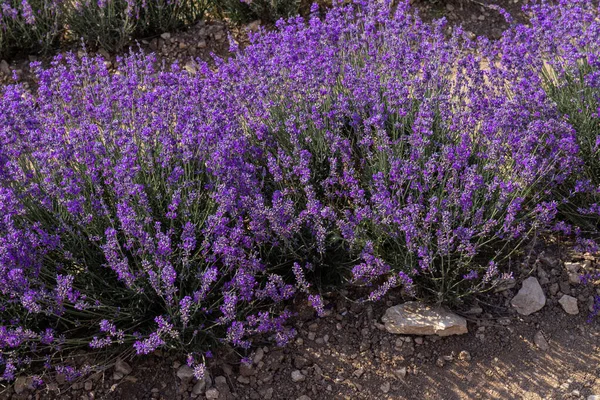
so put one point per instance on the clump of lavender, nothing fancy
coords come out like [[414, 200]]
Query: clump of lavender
[[110, 24], [30, 25], [159, 209]]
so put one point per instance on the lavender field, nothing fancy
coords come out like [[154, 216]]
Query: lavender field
[[359, 150]]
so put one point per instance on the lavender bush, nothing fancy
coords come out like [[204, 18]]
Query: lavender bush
[[111, 23], [241, 11], [31, 25], [154, 208]]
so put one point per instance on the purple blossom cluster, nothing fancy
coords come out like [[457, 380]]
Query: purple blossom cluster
[[158, 208]]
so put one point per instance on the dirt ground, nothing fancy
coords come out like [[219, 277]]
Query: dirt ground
[[347, 355]]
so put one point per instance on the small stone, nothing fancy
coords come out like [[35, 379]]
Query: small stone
[[464, 356], [313, 327], [212, 394], [199, 387], [165, 36], [540, 341], [312, 335], [359, 372], [474, 310], [88, 385], [303, 397], [573, 266], [122, 367], [218, 36], [117, 376], [569, 304], [258, 356], [439, 362], [301, 362], [385, 387], [22, 383], [185, 373], [5, 68], [419, 340], [268, 394], [414, 318], [593, 397], [246, 370], [574, 278], [201, 44], [243, 380], [400, 373], [297, 376], [449, 7], [220, 381], [530, 298], [553, 289]]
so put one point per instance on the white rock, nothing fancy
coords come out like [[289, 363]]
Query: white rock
[[297, 376], [569, 304], [530, 298], [165, 35], [593, 397], [414, 318], [540, 341]]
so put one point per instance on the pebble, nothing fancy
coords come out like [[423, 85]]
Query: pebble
[[359, 372], [22, 383], [401, 372], [185, 373], [5, 68], [199, 387], [439, 362], [297, 376], [312, 336], [574, 279], [246, 370], [385, 387], [243, 380], [569, 304], [419, 340], [268, 394], [464, 356], [313, 327], [593, 397], [88, 385], [540, 341], [122, 367], [212, 394], [260, 354], [165, 36], [303, 397]]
